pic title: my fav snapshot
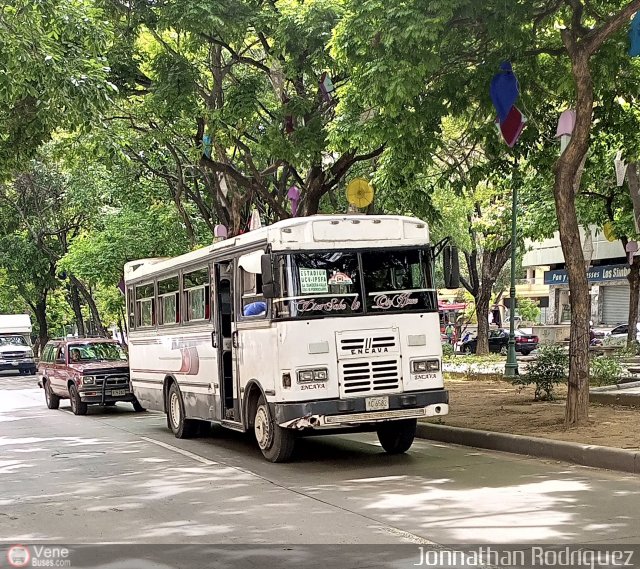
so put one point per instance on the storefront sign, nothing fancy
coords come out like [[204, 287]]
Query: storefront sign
[[594, 275]]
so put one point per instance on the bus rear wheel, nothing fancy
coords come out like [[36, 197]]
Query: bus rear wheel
[[182, 427], [397, 437], [276, 443]]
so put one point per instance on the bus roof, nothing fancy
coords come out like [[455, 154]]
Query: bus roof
[[325, 232]]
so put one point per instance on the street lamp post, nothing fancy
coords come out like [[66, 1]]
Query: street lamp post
[[511, 367]]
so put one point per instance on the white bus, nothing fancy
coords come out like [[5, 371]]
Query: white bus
[[311, 325]]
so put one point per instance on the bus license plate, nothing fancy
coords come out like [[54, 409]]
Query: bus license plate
[[377, 403], [117, 392]]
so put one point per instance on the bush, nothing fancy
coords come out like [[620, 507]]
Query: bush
[[447, 350], [605, 370], [546, 371], [529, 310], [620, 341], [629, 351]]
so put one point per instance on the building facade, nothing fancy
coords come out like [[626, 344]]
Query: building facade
[[607, 276]]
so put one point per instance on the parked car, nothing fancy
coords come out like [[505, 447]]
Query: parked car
[[622, 330], [16, 353], [618, 336], [499, 342], [87, 372]]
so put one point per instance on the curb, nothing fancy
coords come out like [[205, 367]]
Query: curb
[[615, 398], [584, 455], [616, 387]]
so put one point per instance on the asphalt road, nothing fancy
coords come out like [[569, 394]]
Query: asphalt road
[[119, 476]]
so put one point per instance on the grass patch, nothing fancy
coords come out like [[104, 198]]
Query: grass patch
[[474, 360]]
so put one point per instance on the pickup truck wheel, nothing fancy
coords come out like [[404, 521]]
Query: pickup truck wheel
[[397, 437], [137, 407], [276, 443], [182, 428], [77, 405], [53, 401]]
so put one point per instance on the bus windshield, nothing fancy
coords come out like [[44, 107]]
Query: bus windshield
[[341, 283]]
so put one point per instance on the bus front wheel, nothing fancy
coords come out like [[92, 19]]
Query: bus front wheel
[[275, 442], [397, 437]]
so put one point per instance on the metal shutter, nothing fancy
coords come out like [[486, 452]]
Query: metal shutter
[[615, 309]]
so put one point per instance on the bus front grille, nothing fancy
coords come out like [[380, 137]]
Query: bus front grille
[[370, 376], [359, 344]]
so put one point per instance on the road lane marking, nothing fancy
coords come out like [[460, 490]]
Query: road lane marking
[[183, 452]]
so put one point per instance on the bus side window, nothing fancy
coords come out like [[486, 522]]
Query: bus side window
[[131, 308], [253, 302], [145, 304], [197, 295], [168, 305]]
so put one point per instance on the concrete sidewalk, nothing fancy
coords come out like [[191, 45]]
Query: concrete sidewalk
[[627, 394], [586, 455]]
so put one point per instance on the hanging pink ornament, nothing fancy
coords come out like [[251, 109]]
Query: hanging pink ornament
[[326, 87], [632, 251], [293, 195], [254, 221], [566, 124], [220, 232]]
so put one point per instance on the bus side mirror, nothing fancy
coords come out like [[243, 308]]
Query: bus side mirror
[[451, 267], [270, 287]]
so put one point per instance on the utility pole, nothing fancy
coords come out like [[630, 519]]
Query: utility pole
[[511, 367]]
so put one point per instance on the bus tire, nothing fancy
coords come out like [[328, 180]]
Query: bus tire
[[182, 427], [276, 443], [397, 437]]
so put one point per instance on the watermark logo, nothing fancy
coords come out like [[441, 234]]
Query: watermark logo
[[18, 556], [38, 556]]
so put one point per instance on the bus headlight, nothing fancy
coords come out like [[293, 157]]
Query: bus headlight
[[309, 375], [424, 366]]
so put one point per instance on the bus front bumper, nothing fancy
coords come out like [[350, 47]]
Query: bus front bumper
[[328, 413]]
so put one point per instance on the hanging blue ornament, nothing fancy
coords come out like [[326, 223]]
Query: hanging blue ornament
[[634, 36], [206, 142], [504, 90]]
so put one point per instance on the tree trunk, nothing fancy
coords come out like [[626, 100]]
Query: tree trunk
[[121, 329], [634, 273], [313, 191], [186, 220], [483, 300], [74, 301], [92, 306], [40, 311], [125, 320], [567, 180], [634, 298]]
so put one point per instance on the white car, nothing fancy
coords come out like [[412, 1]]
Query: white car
[[618, 335]]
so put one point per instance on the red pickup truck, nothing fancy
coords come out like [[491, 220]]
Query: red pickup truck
[[87, 372]]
